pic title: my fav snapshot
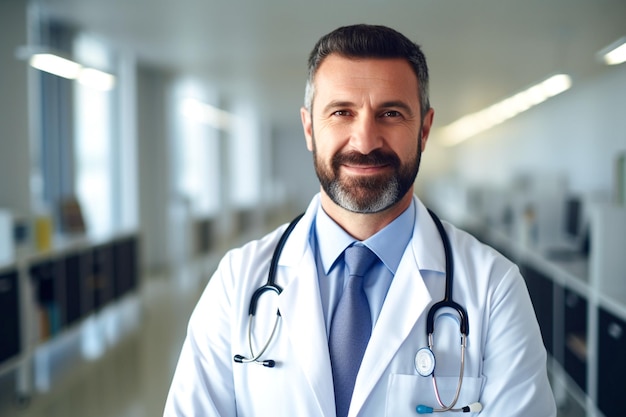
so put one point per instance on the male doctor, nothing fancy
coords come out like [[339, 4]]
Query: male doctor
[[366, 121]]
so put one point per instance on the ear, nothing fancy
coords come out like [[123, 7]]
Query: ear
[[307, 125], [427, 123]]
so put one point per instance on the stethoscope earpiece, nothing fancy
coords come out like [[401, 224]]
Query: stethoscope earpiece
[[269, 363]]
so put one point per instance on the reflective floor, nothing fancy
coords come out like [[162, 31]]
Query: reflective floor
[[120, 362]]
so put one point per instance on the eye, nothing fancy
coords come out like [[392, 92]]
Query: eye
[[341, 113], [392, 113]]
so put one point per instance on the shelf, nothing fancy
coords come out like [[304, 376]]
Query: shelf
[[60, 288]]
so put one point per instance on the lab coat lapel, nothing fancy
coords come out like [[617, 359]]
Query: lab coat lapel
[[301, 310], [408, 299], [406, 302]]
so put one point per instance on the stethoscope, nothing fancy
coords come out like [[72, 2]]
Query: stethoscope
[[270, 285], [424, 359]]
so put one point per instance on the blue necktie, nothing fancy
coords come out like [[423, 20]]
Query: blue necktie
[[351, 327]]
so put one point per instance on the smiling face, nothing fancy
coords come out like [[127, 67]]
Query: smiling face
[[366, 132]]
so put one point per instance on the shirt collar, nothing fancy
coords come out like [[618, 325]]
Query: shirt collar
[[388, 244]]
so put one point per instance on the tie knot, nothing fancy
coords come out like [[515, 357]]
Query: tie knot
[[358, 259]]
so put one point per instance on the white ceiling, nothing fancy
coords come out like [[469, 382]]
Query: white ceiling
[[479, 51]]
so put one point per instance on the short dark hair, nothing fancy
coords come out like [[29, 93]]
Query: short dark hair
[[369, 41]]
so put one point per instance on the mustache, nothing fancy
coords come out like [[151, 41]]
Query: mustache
[[376, 157]]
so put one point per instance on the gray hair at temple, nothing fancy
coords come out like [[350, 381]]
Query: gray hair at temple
[[368, 41]]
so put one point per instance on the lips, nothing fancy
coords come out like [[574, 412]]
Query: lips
[[365, 169]]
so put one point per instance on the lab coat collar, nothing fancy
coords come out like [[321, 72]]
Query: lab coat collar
[[298, 242], [426, 243]]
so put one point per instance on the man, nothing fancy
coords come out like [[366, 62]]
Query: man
[[366, 120]]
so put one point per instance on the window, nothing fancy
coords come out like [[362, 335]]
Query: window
[[86, 152]]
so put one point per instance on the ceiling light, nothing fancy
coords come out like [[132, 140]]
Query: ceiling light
[[615, 53], [207, 114], [56, 65], [96, 79], [485, 119]]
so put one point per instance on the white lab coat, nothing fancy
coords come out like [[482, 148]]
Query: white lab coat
[[505, 361]]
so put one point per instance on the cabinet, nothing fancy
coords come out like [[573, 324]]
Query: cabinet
[[62, 287], [99, 279], [76, 293], [575, 337], [77, 282], [125, 266], [611, 363], [10, 343], [47, 279], [580, 304], [541, 291]]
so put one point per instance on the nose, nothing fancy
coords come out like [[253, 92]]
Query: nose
[[366, 135]]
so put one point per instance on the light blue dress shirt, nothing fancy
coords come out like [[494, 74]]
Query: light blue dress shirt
[[329, 241]]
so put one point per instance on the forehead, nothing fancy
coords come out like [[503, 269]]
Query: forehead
[[380, 78]]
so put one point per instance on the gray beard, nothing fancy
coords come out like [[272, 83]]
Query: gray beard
[[387, 197], [369, 195]]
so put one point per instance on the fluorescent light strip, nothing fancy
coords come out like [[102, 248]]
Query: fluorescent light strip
[[96, 79], [71, 70], [207, 114], [615, 53], [478, 122], [56, 65]]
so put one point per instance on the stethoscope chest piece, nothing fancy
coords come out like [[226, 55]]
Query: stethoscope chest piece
[[425, 362]]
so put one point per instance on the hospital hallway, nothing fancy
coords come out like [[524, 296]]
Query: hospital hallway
[[130, 375]]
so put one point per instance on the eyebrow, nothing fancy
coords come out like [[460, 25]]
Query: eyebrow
[[337, 104]]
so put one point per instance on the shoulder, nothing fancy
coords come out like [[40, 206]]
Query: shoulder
[[239, 272], [464, 240]]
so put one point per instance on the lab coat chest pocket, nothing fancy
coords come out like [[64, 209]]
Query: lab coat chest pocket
[[406, 392]]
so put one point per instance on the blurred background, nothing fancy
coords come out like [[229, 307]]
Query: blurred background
[[141, 139]]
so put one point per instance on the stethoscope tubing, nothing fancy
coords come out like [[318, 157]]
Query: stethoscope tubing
[[254, 358], [270, 285], [430, 324], [458, 386], [447, 301]]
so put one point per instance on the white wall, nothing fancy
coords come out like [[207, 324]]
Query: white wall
[[154, 166], [577, 134], [294, 165], [15, 162]]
